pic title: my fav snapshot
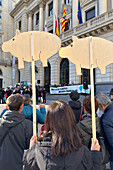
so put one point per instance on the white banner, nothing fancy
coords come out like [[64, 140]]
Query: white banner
[[69, 89]]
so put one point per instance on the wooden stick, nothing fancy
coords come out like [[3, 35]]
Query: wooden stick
[[92, 92], [33, 87]]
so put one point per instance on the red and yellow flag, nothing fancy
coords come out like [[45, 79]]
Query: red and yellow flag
[[64, 20], [56, 26]]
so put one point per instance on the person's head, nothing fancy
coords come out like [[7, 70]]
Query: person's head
[[87, 105], [111, 93], [103, 100], [15, 102], [27, 99], [74, 95], [60, 120]]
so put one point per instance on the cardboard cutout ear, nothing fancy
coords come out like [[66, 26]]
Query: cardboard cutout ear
[[74, 38], [17, 32]]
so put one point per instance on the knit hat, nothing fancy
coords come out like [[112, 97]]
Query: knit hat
[[74, 95], [111, 91]]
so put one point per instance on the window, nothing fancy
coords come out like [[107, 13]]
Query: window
[[64, 72], [0, 14], [0, 27], [51, 9], [90, 14], [0, 3], [51, 31], [37, 18], [67, 25], [67, 1], [1, 72], [19, 25]]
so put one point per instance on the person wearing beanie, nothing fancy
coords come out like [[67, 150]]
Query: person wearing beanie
[[75, 104]]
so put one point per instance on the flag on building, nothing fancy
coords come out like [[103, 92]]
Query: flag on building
[[79, 13], [64, 20], [46, 27], [56, 26], [13, 66]]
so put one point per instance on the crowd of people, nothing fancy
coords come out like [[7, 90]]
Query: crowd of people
[[65, 140], [40, 93]]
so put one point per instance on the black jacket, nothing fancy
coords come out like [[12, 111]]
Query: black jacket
[[76, 107], [40, 157], [15, 134], [107, 124]]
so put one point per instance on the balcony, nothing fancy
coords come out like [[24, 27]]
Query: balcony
[[5, 62], [94, 27]]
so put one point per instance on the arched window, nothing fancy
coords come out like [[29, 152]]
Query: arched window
[[47, 75], [1, 72], [64, 72]]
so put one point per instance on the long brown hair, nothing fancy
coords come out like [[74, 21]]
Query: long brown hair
[[60, 120]]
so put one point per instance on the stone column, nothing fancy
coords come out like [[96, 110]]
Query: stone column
[[74, 13], [112, 4], [73, 77], [30, 22], [55, 12], [55, 69], [41, 18], [102, 6]]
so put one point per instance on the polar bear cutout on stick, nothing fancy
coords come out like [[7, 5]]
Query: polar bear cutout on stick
[[45, 45], [78, 52]]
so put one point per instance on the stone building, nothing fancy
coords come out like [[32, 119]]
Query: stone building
[[97, 21], [6, 32]]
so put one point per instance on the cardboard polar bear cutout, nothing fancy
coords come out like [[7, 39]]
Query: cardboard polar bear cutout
[[89, 53], [30, 47]]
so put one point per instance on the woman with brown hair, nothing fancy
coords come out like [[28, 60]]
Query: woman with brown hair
[[60, 146]]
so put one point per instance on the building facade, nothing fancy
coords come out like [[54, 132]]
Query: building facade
[[97, 16], [6, 33]]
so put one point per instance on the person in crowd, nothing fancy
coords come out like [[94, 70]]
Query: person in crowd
[[44, 95], [1, 96], [85, 125], [8, 92], [107, 122], [111, 95], [76, 105], [28, 110], [15, 134], [60, 147]]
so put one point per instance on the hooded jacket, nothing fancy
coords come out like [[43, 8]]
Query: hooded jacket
[[28, 112], [15, 134], [40, 115], [76, 107], [85, 129], [40, 157]]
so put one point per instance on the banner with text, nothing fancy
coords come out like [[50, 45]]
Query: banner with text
[[69, 89]]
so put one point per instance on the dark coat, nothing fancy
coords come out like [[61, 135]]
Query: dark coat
[[15, 134], [85, 129], [107, 124], [76, 107], [40, 157]]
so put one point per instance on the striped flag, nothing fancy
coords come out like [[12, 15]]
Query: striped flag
[[56, 26], [64, 20]]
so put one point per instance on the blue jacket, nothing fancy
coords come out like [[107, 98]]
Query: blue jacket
[[3, 113], [28, 112], [40, 115], [107, 123]]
